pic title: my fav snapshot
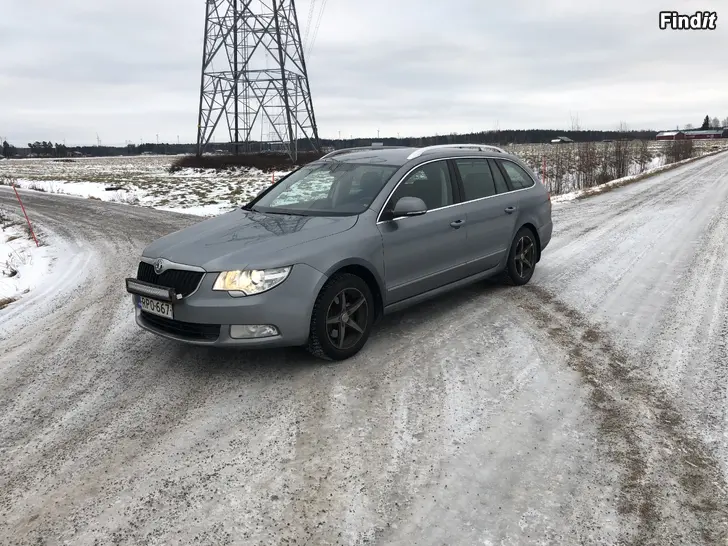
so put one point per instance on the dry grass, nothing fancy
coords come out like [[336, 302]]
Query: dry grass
[[264, 162], [4, 302]]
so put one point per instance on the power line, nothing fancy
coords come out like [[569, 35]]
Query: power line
[[318, 25], [307, 30]]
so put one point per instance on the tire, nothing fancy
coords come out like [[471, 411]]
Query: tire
[[523, 252], [324, 340]]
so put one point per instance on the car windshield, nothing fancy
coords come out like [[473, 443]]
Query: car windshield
[[326, 189]]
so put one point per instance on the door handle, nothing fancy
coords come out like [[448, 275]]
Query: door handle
[[457, 223], [510, 210]]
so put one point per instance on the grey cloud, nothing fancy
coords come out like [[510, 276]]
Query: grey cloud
[[399, 66]]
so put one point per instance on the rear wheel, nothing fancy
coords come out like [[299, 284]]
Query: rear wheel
[[342, 318], [522, 257]]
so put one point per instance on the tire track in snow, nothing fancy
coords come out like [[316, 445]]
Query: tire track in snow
[[671, 486], [687, 346]]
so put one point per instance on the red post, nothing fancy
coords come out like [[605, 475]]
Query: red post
[[26, 215]]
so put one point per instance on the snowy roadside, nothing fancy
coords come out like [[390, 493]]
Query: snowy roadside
[[619, 182], [23, 265]]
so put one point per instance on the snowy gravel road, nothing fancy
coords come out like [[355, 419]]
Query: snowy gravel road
[[586, 408]]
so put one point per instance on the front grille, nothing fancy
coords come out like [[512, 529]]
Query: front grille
[[183, 282], [187, 330]]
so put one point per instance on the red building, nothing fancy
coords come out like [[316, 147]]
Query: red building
[[670, 135], [704, 134]]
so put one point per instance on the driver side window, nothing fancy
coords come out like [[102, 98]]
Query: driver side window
[[430, 182]]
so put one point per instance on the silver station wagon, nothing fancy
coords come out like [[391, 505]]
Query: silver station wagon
[[316, 259]]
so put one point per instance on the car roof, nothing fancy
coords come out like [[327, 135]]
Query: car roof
[[400, 155]]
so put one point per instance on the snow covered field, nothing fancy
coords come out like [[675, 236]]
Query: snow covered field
[[146, 180], [139, 180]]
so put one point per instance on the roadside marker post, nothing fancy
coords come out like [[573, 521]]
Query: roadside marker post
[[25, 214]]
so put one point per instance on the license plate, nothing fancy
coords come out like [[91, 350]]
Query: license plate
[[155, 307]]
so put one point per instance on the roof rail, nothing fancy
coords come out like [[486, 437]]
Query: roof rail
[[479, 147], [360, 149]]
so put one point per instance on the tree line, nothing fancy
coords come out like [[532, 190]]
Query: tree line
[[495, 137], [709, 123]]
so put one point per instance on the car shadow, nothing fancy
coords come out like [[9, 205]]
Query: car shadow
[[292, 361]]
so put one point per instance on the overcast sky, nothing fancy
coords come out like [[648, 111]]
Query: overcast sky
[[130, 69]]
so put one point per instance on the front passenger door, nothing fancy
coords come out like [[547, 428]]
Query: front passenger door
[[424, 252]]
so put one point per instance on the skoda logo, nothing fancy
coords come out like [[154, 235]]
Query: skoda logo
[[158, 266]]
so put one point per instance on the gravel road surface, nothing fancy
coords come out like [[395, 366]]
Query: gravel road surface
[[588, 407]]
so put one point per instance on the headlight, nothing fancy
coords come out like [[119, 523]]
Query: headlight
[[253, 281]]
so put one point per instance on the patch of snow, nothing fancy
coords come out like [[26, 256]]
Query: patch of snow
[[23, 266], [89, 190], [202, 210]]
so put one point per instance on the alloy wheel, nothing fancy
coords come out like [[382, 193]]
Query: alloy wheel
[[524, 259], [346, 318]]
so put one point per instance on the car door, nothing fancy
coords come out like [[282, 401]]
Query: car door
[[491, 210], [423, 252]]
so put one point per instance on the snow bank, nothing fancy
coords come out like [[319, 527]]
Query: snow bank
[[23, 266], [88, 190]]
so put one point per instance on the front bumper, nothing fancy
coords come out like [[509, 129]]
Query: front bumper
[[205, 317]]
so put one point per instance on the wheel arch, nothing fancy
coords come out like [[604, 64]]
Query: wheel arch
[[529, 225], [368, 274]]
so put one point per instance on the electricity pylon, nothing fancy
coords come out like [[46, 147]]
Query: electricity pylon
[[259, 78]]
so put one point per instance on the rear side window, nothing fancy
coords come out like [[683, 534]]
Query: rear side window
[[518, 177], [477, 178], [500, 182]]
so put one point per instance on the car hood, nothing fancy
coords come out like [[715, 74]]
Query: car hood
[[240, 239]]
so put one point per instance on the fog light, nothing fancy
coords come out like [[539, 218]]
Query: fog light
[[251, 331]]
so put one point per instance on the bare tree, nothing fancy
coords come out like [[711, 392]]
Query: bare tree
[[622, 156], [715, 123], [587, 162], [603, 174], [558, 167], [644, 155], [688, 126], [678, 150], [575, 122], [725, 122]]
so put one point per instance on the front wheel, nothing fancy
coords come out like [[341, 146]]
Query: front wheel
[[522, 257], [342, 318]]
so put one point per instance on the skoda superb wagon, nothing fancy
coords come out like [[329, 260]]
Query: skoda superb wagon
[[317, 258]]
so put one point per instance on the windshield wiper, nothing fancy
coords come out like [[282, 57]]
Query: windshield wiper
[[284, 213]]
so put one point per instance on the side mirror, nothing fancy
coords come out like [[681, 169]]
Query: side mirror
[[409, 206]]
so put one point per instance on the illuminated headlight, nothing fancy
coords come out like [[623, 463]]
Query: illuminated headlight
[[250, 282]]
